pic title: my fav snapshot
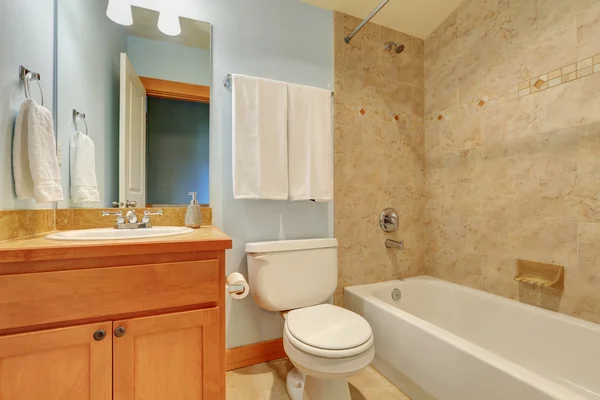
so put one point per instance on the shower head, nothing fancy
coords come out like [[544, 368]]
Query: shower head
[[398, 48]]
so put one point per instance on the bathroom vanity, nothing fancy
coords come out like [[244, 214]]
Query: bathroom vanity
[[116, 320]]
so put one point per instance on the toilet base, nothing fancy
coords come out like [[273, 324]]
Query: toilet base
[[294, 383], [302, 387]]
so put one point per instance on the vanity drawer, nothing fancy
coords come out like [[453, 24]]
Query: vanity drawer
[[78, 295]]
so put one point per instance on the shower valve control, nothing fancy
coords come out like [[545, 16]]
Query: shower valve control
[[388, 220]]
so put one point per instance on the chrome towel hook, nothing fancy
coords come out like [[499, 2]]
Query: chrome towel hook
[[80, 116], [26, 76]]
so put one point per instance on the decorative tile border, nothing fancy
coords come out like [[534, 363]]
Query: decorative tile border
[[552, 79], [569, 73]]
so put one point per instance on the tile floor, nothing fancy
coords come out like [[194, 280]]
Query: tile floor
[[267, 382]]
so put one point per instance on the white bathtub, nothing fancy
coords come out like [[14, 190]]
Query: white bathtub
[[449, 342]]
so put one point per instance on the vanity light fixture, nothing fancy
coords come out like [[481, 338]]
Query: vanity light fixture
[[169, 24], [120, 12]]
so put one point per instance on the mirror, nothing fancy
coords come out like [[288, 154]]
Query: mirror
[[135, 84]]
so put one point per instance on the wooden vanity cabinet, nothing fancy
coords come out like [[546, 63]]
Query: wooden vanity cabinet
[[135, 331], [58, 364], [170, 356]]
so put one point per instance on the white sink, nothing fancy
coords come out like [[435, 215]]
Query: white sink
[[119, 234]]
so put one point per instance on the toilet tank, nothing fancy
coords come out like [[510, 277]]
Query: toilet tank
[[291, 274]]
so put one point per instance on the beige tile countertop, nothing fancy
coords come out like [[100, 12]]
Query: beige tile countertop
[[38, 248]]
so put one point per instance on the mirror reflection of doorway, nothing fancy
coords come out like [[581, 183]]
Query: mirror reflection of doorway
[[168, 157], [177, 151]]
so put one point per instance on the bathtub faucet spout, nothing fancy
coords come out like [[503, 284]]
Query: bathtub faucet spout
[[392, 244]]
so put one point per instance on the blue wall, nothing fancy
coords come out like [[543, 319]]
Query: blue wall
[[178, 151], [169, 61], [287, 40]]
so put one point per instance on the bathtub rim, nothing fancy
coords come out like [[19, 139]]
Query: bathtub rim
[[528, 377], [367, 290]]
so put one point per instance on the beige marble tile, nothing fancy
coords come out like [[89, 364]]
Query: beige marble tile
[[552, 11], [588, 31], [570, 104], [525, 182], [588, 149], [461, 130], [267, 382], [552, 242], [486, 236], [444, 34], [20, 223], [498, 276], [457, 267], [552, 47], [542, 155], [513, 119], [379, 156], [445, 234], [88, 218], [460, 200]]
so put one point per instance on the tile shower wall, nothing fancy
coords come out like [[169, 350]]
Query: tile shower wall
[[379, 160], [512, 148]]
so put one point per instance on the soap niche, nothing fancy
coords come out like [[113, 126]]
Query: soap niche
[[539, 274]]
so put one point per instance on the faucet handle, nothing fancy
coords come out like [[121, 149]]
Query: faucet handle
[[148, 213], [119, 214]]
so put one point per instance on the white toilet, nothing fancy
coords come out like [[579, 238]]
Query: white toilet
[[325, 343]]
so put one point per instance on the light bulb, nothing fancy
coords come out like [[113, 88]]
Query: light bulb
[[169, 24], [119, 12]]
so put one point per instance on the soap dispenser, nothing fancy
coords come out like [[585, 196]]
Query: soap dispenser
[[193, 216]]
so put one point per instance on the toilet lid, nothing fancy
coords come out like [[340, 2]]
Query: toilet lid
[[328, 327]]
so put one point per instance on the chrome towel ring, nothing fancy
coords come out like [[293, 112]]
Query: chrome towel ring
[[26, 76], [80, 116]]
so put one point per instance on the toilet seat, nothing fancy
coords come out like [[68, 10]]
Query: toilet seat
[[328, 331]]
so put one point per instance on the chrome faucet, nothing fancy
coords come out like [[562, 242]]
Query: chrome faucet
[[132, 219]]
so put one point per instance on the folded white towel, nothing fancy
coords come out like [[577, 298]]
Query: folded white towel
[[260, 159], [84, 187], [43, 162], [35, 165], [310, 143], [21, 171]]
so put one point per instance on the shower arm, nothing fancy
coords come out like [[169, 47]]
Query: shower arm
[[348, 38]]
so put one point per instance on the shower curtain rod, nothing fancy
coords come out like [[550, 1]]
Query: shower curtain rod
[[348, 38]]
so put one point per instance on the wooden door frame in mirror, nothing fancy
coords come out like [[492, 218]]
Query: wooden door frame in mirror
[[176, 90]]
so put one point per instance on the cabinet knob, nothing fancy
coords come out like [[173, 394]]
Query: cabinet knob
[[120, 331], [99, 335]]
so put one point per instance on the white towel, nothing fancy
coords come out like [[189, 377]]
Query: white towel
[[310, 143], [260, 159], [35, 165], [84, 187], [21, 171]]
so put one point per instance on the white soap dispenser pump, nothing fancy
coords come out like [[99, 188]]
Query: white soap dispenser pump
[[193, 216]]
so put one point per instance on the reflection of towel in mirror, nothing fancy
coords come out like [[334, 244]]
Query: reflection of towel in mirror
[[35, 165], [84, 187]]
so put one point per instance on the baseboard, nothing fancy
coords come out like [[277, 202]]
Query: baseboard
[[256, 353]]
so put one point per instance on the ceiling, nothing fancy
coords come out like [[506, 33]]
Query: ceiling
[[415, 17], [193, 33]]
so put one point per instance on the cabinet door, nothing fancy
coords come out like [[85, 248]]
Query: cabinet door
[[57, 364], [171, 356]]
